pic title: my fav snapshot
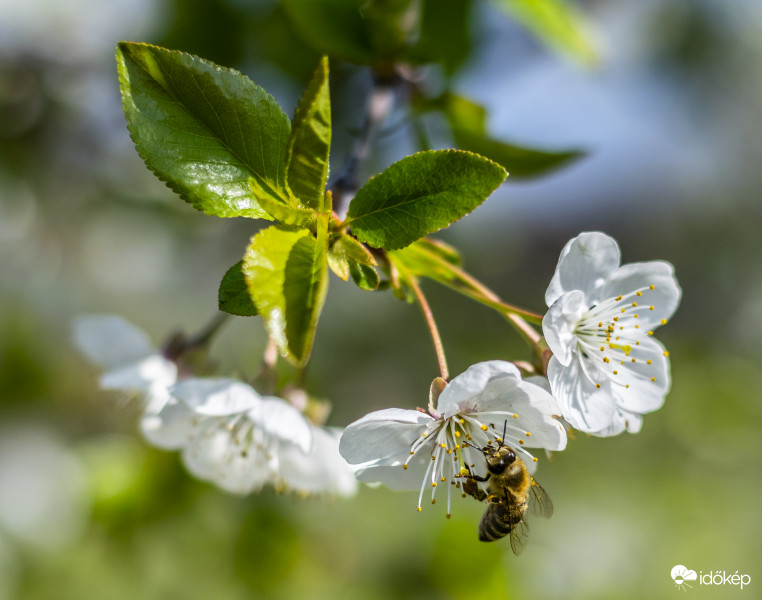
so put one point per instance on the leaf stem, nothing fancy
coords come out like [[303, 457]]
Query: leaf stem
[[179, 345], [430, 322]]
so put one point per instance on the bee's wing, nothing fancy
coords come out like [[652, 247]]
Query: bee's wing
[[519, 533], [539, 501]]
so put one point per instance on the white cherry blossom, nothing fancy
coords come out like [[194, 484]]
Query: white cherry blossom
[[607, 369], [132, 365], [414, 449], [235, 437]]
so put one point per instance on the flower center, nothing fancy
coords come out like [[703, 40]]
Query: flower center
[[611, 337]]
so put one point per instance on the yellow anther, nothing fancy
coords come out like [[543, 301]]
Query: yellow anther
[[425, 434], [443, 445], [651, 307], [433, 484], [615, 373], [633, 360], [603, 348], [461, 421], [666, 353], [605, 359], [636, 316], [597, 385], [515, 416], [521, 442], [637, 327], [637, 343], [448, 515], [653, 378], [411, 453], [433, 458], [621, 362], [419, 509], [627, 386], [433, 500], [616, 318], [457, 434], [664, 321], [528, 433], [623, 310], [534, 459], [618, 298], [457, 446], [638, 293], [600, 323], [449, 451], [634, 303], [404, 467], [443, 479], [651, 286], [650, 333]]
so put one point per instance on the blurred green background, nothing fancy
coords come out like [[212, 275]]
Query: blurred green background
[[669, 117]]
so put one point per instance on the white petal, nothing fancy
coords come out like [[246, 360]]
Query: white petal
[[169, 427], [534, 409], [640, 276], [622, 420], [382, 434], [280, 419], [214, 457], [463, 390], [321, 471], [586, 407], [110, 341], [648, 383], [585, 263], [151, 373], [393, 475], [560, 321], [216, 396]]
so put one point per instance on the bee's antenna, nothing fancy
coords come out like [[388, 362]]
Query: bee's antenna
[[470, 444], [502, 439]]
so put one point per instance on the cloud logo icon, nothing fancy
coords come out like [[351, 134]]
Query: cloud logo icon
[[681, 575]]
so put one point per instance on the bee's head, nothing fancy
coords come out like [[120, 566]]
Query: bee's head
[[499, 459]]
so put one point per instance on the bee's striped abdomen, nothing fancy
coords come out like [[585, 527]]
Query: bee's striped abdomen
[[499, 519]]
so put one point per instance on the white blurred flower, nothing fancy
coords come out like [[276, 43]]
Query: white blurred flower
[[236, 438], [321, 471], [134, 366], [44, 500], [607, 369], [409, 449]]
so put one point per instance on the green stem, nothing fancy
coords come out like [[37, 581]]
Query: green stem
[[430, 322]]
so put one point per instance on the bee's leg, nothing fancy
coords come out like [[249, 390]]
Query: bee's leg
[[470, 488]]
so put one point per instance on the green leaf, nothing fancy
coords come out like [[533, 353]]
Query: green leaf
[[421, 194], [310, 142], [286, 274], [233, 296], [468, 123], [334, 27], [285, 213], [557, 23], [446, 34], [345, 251], [364, 276], [520, 162], [203, 129], [424, 258]]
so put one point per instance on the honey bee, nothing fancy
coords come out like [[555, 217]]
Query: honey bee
[[510, 492]]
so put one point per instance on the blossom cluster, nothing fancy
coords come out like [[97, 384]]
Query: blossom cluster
[[605, 372], [228, 434]]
